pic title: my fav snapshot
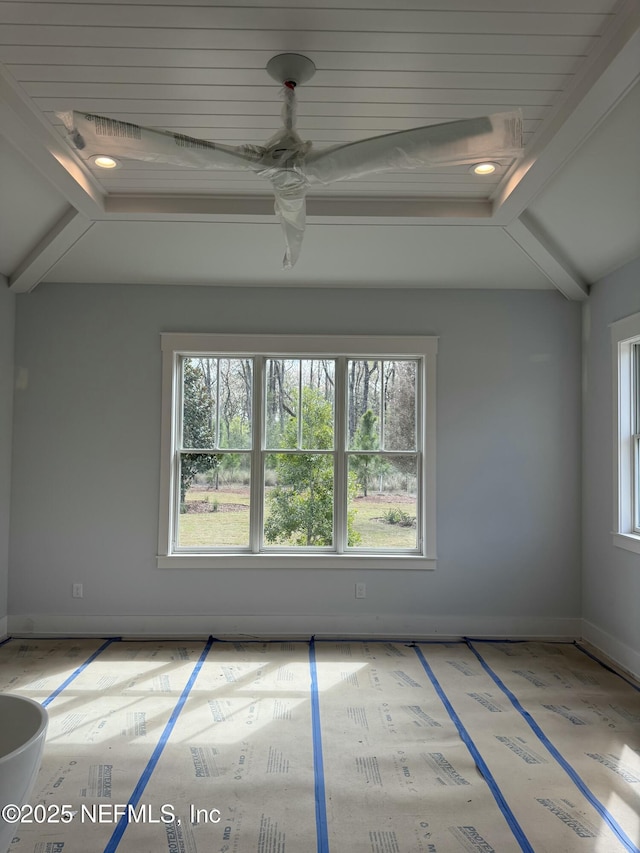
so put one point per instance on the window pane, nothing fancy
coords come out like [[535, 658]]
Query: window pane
[[298, 507], [199, 402], [635, 404], [317, 404], [636, 388], [400, 405], [636, 476], [282, 378], [214, 499], [234, 395], [382, 501], [364, 394]]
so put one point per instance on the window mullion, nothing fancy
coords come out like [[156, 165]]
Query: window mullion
[[256, 506], [217, 406], [340, 459], [299, 404], [383, 401]]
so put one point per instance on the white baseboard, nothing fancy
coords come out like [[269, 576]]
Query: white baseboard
[[618, 653], [293, 626]]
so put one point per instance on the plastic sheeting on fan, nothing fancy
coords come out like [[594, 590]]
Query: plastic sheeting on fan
[[291, 165], [282, 164]]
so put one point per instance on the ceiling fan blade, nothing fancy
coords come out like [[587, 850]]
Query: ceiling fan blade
[[452, 143], [291, 212], [92, 135]]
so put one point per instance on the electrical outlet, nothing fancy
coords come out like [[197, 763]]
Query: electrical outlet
[[77, 590], [361, 590], [22, 378]]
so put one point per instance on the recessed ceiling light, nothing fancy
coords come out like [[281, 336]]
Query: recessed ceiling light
[[104, 162], [484, 168]]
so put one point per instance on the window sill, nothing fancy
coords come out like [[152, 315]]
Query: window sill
[[290, 561], [628, 541]]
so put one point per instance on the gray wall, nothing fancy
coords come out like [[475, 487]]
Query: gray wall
[[7, 319], [611, 575], [86, 460]]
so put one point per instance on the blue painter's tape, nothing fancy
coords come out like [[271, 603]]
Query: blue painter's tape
[[515, 827], [322, 835], [134, 799], [77, 671], [604, 813], [606, 666]]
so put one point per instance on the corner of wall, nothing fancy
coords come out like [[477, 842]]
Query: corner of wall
[[611, 650], [610, 576], [7, 330]]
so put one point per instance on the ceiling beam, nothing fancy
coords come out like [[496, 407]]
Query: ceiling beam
[[49, 250], [612, 71], [260, 208], [536, 245], [23, 126]]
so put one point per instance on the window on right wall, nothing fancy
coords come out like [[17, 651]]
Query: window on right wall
[[626, 365]]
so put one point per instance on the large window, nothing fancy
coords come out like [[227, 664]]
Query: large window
[[291, 450], [626, 361]]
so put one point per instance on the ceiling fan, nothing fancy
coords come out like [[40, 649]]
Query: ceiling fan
[[292, 165]]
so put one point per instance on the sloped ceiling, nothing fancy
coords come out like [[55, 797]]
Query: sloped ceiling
[[561, 217]]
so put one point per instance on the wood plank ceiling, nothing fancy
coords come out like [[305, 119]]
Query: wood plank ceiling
[[198, 67]]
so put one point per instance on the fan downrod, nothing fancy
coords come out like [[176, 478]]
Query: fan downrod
[[291, 68]]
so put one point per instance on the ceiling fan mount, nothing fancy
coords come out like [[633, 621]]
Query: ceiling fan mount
[[291, 68]]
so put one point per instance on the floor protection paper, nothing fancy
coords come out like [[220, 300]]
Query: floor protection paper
[[397, 775], [588, 718], [41, 666], [103, 728], [328, 747], [242, 751]]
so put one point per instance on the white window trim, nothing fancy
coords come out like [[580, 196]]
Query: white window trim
[[321, 345], [625, 333]]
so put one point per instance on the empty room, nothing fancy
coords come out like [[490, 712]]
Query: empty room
[[319, 426]]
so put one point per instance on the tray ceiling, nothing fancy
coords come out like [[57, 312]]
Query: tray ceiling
[[199, 68]]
